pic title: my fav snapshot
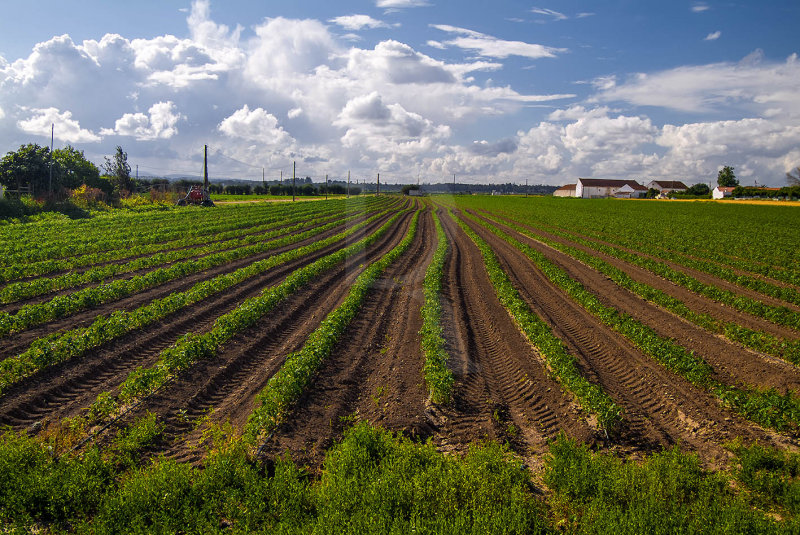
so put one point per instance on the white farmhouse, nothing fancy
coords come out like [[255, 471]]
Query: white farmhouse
[[598, 188], [722, 192], [666, 186]]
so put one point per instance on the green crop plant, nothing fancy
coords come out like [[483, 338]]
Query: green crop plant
[[437, 375]]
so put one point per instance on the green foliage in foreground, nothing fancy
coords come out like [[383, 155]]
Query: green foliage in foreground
[[372, 482], [668, 493], [437, 374], [773, 476]]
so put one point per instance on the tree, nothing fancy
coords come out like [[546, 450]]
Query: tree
[[119, 171], [28, 167], [698, 189], [74, 169], [726, 178], [793, 179]]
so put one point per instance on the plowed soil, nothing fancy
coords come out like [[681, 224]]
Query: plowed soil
[[503, 389]]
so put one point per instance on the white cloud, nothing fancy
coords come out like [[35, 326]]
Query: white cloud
[[65, 127], [161, 123], [294, 113], [549, 12], [359, 22], [2, 113], [752, 85], [255, 125], [486, 45], [713, 36], [400, 4], [700, 7]]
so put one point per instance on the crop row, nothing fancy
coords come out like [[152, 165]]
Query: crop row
[[17, 291], [299, 368], [563, 365], [65, 305], [181, 237], [437, 375], [724, 272], [59, 347], [140, 229], [757, 340], [766, 407], [192, 347], [779, 315]]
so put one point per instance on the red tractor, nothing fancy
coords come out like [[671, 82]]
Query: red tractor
[[198, 195]]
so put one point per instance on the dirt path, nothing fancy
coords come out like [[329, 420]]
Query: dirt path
[[659, 408]]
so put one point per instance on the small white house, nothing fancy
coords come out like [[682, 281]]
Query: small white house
[[565, 191], [600, 188], [721, 192], [666, 186]]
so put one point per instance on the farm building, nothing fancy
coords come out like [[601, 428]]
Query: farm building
[[597, 188], [667, 186], [722, 192], [565, 191]]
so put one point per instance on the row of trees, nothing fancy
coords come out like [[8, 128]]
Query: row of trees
[[35, 169]]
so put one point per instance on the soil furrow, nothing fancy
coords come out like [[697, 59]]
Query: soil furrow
[[85, 377], [375, 372], [660, 408], [733, 364], [16, 343], [502, 388], [225, 386]]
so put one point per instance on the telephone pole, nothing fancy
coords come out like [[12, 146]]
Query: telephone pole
[[526, 187], [294, 169], [52, 132], [379, 185], [326, 187], [348, 184]]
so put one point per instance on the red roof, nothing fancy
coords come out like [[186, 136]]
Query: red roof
[[726, 189], [607, 183], [567, 187]]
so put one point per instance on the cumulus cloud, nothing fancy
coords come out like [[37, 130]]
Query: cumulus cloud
[[257, 125], [713, 36], [65, 127], [161, 123], [489, 46], [359, 22], [401, 4]]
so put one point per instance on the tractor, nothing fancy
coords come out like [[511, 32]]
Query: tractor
[[197, 195]]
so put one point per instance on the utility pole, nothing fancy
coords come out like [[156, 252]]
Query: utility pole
[[454, 183], [205, 167], [526, 187], [326, 187], [52, 132], [348, 184], [137, 172], [379, 185], [294, 169], [263, 182]]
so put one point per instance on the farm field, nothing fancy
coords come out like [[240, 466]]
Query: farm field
[[447, 364]]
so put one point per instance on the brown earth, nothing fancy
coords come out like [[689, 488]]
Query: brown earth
[[660, 409], [64, 389]]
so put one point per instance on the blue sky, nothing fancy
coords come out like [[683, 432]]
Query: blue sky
[[540, 91]]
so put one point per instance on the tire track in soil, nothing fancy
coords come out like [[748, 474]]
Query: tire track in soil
[[660, 409], [692, 300], [375, 372], [16, 343], [65, 389], [732, 363], [502, 389], [229, 383]]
